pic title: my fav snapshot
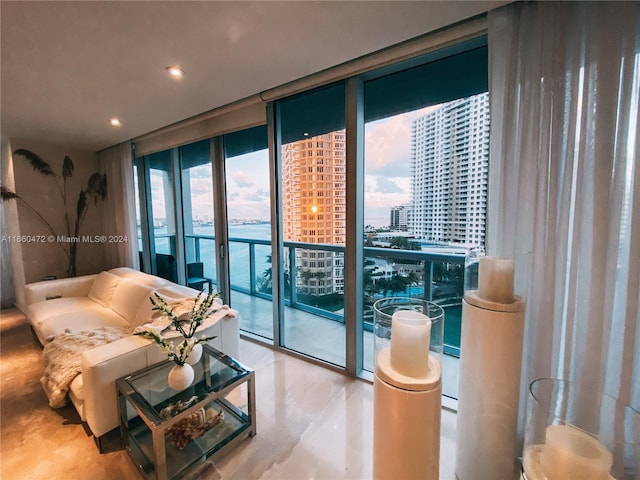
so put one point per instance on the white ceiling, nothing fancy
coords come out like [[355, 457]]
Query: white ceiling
[[67, 67]]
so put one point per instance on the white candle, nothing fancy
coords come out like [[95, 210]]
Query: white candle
[[410, 337], [495, 279], [571, 453]]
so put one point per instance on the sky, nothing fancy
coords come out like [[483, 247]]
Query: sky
[[387, 182], [387, 159]]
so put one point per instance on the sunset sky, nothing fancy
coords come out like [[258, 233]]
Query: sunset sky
[[387, 182]]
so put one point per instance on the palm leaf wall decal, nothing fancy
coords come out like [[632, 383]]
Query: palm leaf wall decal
[[97, 187], [94, 183], [37, 163], [96, 190], [7, 194], [67, 167], [82, 204]]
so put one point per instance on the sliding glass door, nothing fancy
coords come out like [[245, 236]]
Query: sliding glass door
[[197, 213], [312, 163], [162, 214], [177, 192], [249, 228]]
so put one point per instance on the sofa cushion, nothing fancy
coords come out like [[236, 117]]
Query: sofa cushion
[[45, 309], [173, 291], [78, 321], [152, 281], [126, 272], [128, 297], [103, 287]]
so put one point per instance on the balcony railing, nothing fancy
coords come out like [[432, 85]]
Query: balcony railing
[[437, 277]]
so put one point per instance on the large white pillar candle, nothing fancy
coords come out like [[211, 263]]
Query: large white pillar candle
[[495, 279], [410, 337]]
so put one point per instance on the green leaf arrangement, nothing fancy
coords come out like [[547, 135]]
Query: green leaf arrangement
[[186, 324]]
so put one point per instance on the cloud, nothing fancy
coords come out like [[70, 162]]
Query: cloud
[[242, 179], [257, 196], [383, 193], [201, 171], [398, 169], [387, 185], [201, 186], [388, 143]]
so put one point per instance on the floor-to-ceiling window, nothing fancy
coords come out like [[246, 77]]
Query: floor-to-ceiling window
[[284, 212], [312, 165], [197, 212], [162, 217], [426, 166], [176, 191], [249, 228], [138, 214]]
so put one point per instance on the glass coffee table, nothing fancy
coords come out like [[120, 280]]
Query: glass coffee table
[[167, 432]]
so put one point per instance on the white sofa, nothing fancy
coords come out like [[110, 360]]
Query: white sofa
[[117, 298]]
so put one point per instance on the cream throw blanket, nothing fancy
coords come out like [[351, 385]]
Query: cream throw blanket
[[181, 308], [62, 359]]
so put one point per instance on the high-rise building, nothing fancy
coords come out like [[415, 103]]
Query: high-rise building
[[314, 208], [449, 170], [399, 218]]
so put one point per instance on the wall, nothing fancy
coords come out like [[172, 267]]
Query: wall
[[46, 257]]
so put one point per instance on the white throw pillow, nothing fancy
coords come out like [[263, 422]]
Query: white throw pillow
[[103, 287], [127, 298]]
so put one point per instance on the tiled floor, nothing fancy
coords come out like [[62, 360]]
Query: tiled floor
[[313, 423]]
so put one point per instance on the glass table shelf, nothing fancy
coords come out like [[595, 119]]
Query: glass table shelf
[[167, 432]]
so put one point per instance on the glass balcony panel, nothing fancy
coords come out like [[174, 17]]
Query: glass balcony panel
[[312, 209], [197, 211], [239, 257], [315, 319], [249, 228], [162, 212]]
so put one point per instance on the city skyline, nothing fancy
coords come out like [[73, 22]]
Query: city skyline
[[387, 176], [387, 182]]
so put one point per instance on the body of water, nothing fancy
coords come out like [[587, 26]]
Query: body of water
[[238, 251]]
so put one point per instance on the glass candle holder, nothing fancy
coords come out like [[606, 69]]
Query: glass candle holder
[[471, 266], [576, 432], [408, 340]]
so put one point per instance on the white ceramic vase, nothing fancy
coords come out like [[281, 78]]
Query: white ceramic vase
[[180, 377], [195, 354]]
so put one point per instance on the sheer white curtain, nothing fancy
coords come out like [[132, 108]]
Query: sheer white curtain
[[7, 284], [120, 207], [564, 185]]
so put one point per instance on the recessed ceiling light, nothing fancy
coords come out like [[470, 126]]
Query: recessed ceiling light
[[175, 72], [114, 122]]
